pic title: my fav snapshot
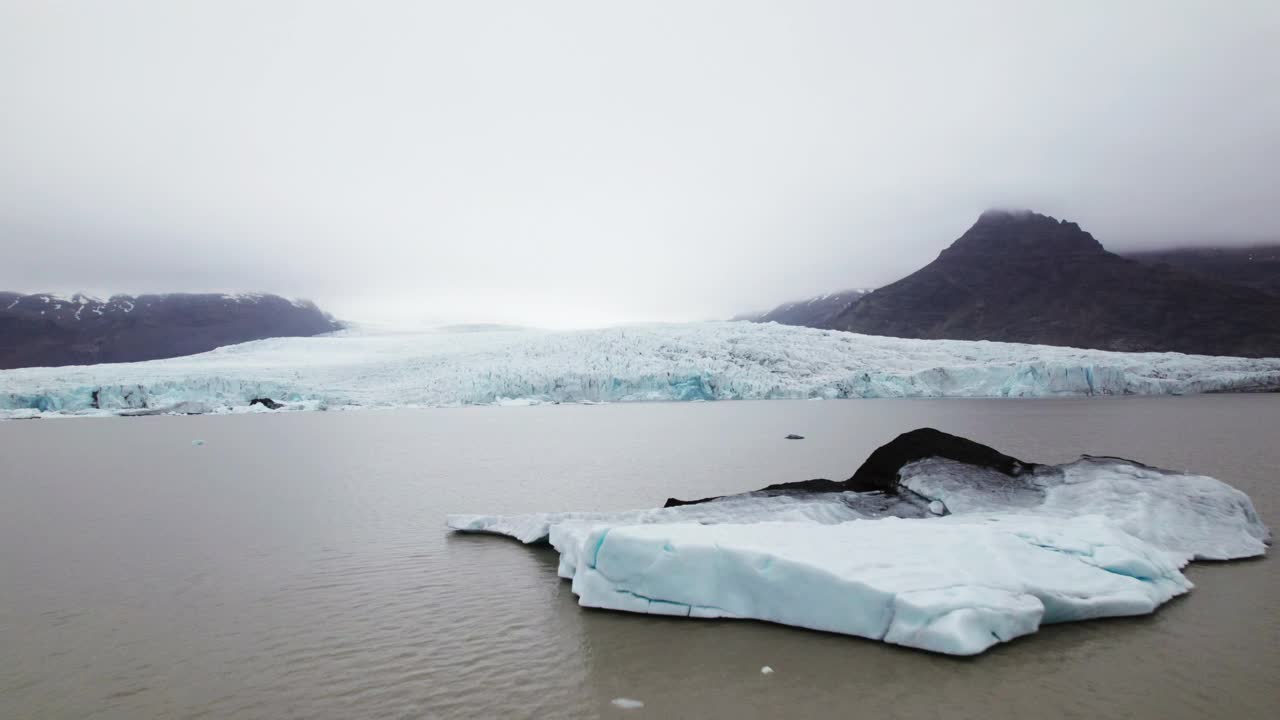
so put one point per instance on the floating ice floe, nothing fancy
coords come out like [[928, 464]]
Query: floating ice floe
[[1018, 545], [690, 362]]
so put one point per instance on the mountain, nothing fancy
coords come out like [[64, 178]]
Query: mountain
[[1019, 276], [47, 330], [810, 312], [1257, 267]]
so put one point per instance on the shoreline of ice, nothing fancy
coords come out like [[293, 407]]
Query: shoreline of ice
[[689, 362]]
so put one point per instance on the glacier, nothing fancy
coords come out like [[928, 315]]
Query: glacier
[[365, 367], [957, 559]]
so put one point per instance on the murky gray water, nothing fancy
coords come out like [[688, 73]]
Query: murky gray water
[[296, 566]]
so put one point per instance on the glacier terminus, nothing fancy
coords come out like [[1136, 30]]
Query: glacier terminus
[[362, 368]]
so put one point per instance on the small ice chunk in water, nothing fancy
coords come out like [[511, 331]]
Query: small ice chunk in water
[[627, 703], [766, 670], [937, 508], [197, 443]]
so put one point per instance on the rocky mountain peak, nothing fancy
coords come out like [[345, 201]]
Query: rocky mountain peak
[[1010, 233]]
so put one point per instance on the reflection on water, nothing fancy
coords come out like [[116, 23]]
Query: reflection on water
[[296, 565]]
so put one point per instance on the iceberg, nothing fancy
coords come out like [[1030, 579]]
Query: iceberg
[[938, 543], [360, 368], [957, 585]]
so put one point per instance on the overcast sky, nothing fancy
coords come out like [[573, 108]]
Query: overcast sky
[[581, 163]]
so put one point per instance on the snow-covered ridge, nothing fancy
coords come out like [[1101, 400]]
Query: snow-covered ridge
[[702, 361], [256, 297], [64, 307]]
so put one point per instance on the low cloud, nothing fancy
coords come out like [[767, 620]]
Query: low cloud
[[568, 163]]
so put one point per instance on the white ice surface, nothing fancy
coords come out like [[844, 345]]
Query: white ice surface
[[1099, 537], [954, 585], [703, 361], [1193, 517]]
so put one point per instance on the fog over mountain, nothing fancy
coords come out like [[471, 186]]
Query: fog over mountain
[[577, 163]]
